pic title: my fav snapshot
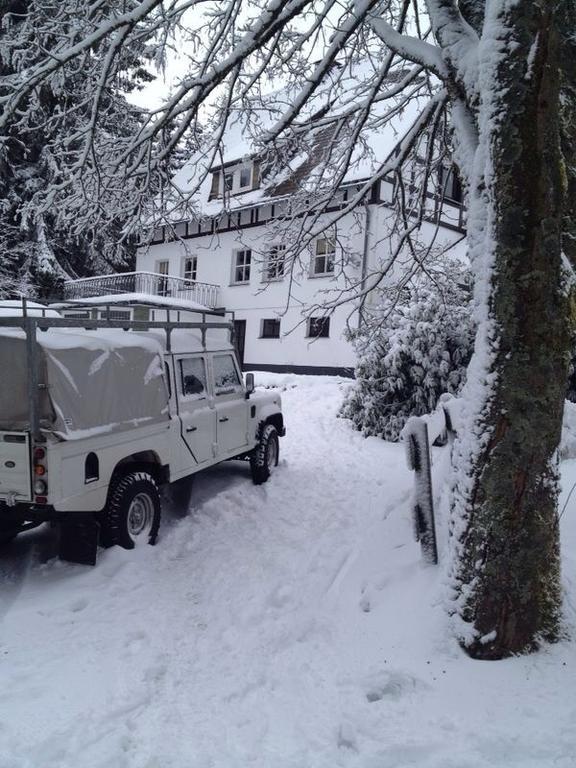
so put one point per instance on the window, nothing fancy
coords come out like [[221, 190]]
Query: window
[[228, 182], [162, 282], [319, 327], [178, 230], [245, 177], [158, 235], [226, 379], [168, 380], [77, 314], [274, 267], [215, 186], [193, 373], [450, 186], [270, 328], [116, 314], [241, 266], [323, 263], [190, 268]]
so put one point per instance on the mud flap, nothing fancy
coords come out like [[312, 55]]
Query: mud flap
[[79, 539]]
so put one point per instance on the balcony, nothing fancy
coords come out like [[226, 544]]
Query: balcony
[[147, 283]]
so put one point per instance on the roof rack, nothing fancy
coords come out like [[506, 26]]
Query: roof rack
[[31, 324]]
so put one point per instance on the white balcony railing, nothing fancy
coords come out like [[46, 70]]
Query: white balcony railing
[[148, 283]]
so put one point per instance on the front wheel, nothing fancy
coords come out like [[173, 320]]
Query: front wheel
[[265, 456], [132, 515]]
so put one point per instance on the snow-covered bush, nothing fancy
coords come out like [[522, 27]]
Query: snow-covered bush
[[414, 346]]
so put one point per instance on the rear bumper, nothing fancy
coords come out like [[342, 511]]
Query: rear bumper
[[20, 513]]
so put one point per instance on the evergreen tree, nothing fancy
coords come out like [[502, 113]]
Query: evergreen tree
[[412, 348], [44, 241]]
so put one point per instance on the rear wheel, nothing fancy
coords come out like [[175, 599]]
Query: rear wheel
[[265, 456], [132, 515]]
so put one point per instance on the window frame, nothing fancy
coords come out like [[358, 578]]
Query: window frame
[[120, 315], [192, 397], [263, 322], [233, 390], [324, 257], [450, 185], [325, 323], [193, 271], [244, 266], [245, 169], [225, 187], [272, 262]]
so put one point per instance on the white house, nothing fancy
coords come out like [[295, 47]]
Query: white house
[[236, 250], [239, 240]]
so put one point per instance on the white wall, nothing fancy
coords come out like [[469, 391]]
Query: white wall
[[293, 296], [288, 298]]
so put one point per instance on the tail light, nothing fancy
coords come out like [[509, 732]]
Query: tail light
[[40, 485]]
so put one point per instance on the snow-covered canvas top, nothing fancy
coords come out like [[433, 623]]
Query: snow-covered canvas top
[[13, 308], [97, 381]]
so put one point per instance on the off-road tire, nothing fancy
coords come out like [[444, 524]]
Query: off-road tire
[[266, 454], [132, 498]]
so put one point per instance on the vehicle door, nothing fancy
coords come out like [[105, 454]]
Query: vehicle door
[[196, 407], [231, 405]]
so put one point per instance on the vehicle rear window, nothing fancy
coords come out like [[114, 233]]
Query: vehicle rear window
[[226, 377], [193, 372]]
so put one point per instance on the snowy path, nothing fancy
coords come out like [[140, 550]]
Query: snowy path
[[290, 625]]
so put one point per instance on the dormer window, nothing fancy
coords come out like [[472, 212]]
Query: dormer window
[[245, 177], [232, 181], [229, 182]]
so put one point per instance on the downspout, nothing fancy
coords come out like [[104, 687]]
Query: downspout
[[364, 262]]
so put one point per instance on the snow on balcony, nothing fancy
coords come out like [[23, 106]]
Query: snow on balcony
[[148, 283]]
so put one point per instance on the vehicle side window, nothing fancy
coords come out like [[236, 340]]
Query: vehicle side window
[[226, 379], [168, 381], [193, 372]]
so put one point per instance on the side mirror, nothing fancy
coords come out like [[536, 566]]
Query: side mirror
[[249, 384]]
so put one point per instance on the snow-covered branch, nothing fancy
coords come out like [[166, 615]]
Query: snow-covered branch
[[411, 48]]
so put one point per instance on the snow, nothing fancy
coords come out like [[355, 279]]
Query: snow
[[136, 298], [241, 139], [13, 308], [289, 625]]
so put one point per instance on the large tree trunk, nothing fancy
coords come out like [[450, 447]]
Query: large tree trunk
[[506, 572]]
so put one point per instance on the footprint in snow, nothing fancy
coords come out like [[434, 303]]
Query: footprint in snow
[[347, 738], [392, 686], [79, 605]]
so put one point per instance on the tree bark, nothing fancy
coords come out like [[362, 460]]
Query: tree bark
[[506, 572]]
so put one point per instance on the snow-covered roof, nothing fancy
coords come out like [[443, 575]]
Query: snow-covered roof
[[242, 140]]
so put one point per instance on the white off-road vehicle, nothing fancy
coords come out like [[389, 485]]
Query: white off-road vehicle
[[97, 414]]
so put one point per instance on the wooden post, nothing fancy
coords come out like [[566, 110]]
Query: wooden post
[[415, 435]]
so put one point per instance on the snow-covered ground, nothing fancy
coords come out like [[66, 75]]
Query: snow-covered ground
[[290, 625]]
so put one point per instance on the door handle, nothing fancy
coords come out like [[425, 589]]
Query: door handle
[[224, 418], [191, 429]]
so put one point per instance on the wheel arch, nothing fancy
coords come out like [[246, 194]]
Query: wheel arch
[[277, 420], [144, 461]]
